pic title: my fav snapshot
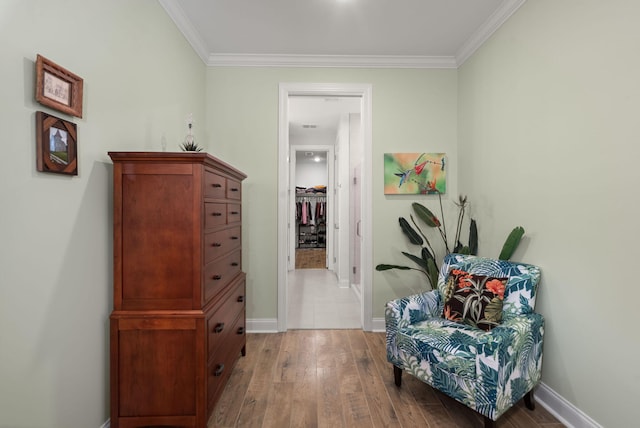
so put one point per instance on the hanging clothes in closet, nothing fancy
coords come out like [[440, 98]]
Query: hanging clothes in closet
[[311, 209]]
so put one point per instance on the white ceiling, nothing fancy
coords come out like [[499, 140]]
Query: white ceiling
[[344, 33], [315, 120], [348, 33]]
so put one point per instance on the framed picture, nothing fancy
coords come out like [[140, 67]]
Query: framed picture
[[58, 88], [414, 173], [56, 145]]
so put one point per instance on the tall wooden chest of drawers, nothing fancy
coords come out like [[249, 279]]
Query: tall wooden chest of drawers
[[178, 320]]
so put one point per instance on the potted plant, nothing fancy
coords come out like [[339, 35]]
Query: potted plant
[[426, 262]]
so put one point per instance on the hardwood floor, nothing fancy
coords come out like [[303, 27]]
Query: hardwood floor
[[340, 378], [311, 258]]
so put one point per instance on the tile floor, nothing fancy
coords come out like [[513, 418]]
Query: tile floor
[[316, 301]]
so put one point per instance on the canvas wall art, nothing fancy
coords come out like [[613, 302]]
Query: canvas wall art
[[414, 173]]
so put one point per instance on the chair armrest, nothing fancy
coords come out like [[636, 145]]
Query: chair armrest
[[509, 360], [513, 329], [414, 308], [400, 313]]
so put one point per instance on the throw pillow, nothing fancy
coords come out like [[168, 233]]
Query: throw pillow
[[474, 299]]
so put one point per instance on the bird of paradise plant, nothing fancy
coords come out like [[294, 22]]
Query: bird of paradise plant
[[427, 262]]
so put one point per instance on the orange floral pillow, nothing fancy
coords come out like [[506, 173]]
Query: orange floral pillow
[[474, 299]]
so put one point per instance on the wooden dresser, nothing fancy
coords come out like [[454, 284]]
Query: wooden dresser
[[178, 320]]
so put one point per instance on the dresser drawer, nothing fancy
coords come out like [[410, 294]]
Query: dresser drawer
[[234, 190], [224, 321], [214, 215], [218, 273], [215, 186], [221, 332], [221, 363], [234, 215], [218, 243]]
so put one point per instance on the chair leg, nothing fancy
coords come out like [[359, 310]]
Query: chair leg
[[488, 422], [528, 400], [397, 375]]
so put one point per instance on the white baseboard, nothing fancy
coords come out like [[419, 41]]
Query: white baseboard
[[564, 411], [270, 325], [107, 424], [377, 325], [262, 325]]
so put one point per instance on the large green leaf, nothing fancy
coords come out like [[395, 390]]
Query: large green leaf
[[383, 266], [426, 255], [417, 260], [425, 215], [432, 271], [473, 238], [512, 242], [413, 236]]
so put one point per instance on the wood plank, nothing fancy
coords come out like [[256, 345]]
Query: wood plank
[[330, 409], [254, 405], [380, 406], [279, 401], [356, 410], [340, 378]]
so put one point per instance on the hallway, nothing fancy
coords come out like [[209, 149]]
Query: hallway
[[316, 301]]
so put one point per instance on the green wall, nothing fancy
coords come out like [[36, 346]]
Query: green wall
[[141, 80], [549, 139], [413, 111], [539, 127]]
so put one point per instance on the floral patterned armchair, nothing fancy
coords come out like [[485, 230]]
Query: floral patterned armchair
[[475, 338]]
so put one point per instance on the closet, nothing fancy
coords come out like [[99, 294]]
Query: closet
[[311, 220], [311, 212]]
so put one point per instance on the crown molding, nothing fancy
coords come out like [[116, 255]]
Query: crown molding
[[504, 12], [490, 26], [340, 61], [176, 13]]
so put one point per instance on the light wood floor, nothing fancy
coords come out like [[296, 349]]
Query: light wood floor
[[340, 378], [311, 258]]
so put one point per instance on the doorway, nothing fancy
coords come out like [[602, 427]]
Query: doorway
[[311, 211], [340, 244]]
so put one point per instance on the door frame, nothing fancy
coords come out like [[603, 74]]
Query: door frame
[[325, 89]]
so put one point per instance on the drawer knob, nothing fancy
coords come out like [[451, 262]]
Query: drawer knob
[[234, 264], [240, 299], [216, 277], [216, 214], [218, 328], [234, 189], [219, 369], [217, 185], [216, 244], [240, 330], [234, 237], [235, 212]]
